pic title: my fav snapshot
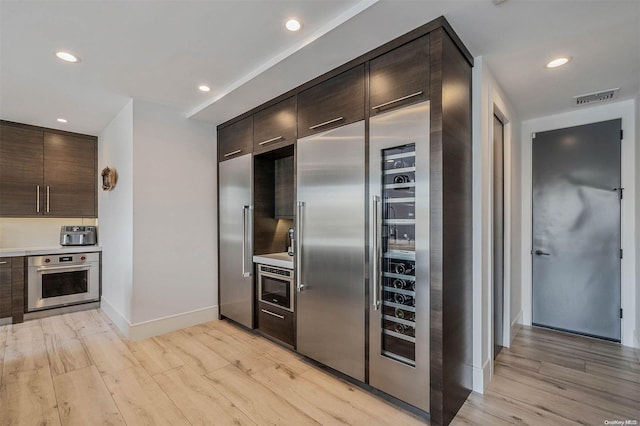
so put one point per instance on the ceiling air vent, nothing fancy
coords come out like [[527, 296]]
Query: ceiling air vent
[[589, 98]]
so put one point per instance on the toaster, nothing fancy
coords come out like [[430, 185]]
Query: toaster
[[78, 235]]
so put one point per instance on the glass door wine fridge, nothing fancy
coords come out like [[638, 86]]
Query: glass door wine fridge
[[399, 258]]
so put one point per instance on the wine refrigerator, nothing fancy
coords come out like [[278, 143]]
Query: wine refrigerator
[[399, 257]]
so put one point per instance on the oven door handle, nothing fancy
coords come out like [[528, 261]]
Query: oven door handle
[[57, 268]]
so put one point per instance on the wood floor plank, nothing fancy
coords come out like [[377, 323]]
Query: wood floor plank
[[83, 399], [198, 400], [509, 358], [154, 355], [65, 355], [236, 352], [511, 411], [202, 359], [108, 352], [3, 344], [323, 406], [140, 399], [60, 326], [259, 403], [524, 349], [86, 323], [605, 370], [28, 398], [25, 349]]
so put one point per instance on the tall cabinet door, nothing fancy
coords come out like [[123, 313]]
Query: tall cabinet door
[[70, 178], [235, 258], [21, 159], [331, 248], [399, 257]]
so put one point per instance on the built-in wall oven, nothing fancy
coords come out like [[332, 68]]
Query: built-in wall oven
[[62, 279], [275, 286]]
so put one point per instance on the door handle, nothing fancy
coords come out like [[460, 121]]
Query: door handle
[[245, 271], [299, 284], [375, 239], [541, 253]]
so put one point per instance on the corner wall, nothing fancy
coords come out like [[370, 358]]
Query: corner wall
[[637, 214], [115, 213], [629, 220], [488, 99]]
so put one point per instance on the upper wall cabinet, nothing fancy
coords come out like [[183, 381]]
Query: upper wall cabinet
[[400, 77], [46, 173], [332, 103], [275, 126], [236, 139]]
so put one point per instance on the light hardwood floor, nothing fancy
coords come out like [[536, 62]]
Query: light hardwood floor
[[75, 369]]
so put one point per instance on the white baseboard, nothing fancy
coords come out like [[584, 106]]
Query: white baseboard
[[481, 377], [156, 327], [516, 325]]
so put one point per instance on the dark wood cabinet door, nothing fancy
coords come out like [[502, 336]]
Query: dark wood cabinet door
[[332, 103], [400, 77], [21, 159], [70, 176], [276, 322], [236, 139], [5, 287], [275, 126]]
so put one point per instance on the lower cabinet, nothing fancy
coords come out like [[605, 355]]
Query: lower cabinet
[[276, 322], [11, 289], [5, 287]]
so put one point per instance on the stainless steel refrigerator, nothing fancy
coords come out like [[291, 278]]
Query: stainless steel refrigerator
[[236, 236], [399, 256], [330, 258]]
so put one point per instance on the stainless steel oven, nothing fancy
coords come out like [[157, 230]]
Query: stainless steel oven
[[275, 286], [62, 279]]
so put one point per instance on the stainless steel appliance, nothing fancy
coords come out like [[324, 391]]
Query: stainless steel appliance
[[275, 286], [235, 259], [330, 253], [399, 257], [62, 279], [78, 235]]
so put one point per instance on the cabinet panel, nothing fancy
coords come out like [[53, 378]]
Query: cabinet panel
[[21, 160], [400, 77], [332, 103], [284, 188], [70, 177], [276, 322], [5, 287], [17, 289], [236, 139], [275, 126]]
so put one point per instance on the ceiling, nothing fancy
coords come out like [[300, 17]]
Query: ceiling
[[161, 51]]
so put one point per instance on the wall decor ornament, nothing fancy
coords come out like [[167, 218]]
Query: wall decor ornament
[[109, 178]]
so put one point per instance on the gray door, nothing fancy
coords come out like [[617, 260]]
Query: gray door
[[498, 235], [331, 248], [576, 229], [236, 281]]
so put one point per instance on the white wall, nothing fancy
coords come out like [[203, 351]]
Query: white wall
[[35, 232], [627, 111], [487, 99], [115, 213], [174, 217]]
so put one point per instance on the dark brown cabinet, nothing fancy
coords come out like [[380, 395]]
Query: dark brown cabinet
[[70, 179], [21, 178], [275, 126], [332, 103], [45, 173], [5, 287], [276, 322], [284, 190], [236, 139], [400, 77]]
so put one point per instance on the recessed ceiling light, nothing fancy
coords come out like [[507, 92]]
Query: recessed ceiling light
[[67, 57], [558, 62], [293, 24], [204, 88], [61, 120]]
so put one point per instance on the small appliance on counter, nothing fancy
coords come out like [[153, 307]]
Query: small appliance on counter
[[78, 235]]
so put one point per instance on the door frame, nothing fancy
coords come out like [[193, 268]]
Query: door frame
[[626, 111]]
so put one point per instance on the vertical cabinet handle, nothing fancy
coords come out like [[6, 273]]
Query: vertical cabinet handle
[[375, 256], [37, 198], [47, 198], [299, 254], [246, 272]]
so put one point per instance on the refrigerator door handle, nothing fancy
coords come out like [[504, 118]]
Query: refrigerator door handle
[[299, 284], [246, 272], [375, 258]]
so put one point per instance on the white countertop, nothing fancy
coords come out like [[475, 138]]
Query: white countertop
[[280, 260], [34, 251]]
